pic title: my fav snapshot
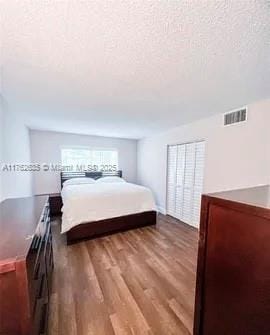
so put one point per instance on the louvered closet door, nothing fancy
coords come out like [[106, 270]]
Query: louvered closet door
[[185, 181], [188, 183], [171, 179], [180, 178]]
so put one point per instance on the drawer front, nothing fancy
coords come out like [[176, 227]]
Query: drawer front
[[43, 232], [38, 286], [41, 318], [49, 261]]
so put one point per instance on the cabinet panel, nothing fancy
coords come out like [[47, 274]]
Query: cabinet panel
[[8, 301], [233, 272], [236, 273]]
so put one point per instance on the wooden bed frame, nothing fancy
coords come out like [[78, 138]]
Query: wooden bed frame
[[84, 174], [104, 227]]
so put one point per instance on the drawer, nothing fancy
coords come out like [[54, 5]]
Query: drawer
[[44, 320], [46, 212], [39, 263], [40, 288], [45, 225], [44, 222], [42, 265], [42, 249], [39, 268], [33, 256], [41, 318], [37, 317], [49, 264], [48, 246], [36, 242]]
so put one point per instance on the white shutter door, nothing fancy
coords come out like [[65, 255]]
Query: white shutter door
[[180, 175], [185, 181], [171, 179], [198, 182], [188, 183]]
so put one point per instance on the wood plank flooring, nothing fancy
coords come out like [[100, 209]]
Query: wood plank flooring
[[137, 282]]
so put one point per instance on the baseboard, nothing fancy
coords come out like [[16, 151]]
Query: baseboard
[[161, 210]]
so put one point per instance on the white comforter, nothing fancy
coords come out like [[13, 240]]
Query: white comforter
[[92, 202]]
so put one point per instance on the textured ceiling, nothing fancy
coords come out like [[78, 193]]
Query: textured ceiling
[[132, 68]]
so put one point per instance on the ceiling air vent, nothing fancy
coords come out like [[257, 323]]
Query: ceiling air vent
[[235, 117]]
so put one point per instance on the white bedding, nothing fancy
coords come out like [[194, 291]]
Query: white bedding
[[92, 202]]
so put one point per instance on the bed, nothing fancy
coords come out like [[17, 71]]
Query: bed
[[99, 203]]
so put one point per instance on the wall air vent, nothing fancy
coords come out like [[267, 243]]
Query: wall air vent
[[235, 117]]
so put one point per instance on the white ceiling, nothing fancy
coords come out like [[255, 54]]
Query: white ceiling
[[132, 68]]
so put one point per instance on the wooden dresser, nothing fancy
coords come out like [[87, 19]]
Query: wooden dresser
[[26, 264], [233, 275]]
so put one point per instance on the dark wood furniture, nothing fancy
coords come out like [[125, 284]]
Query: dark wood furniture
[[55, 202], [233, 274], [26, 263], [108, 226]]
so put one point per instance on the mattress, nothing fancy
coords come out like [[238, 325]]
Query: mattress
[[93, 202]]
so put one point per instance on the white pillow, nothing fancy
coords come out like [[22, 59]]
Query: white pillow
[[79, 181], [112, 179]]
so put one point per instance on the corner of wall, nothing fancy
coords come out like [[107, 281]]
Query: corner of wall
[[161, 210], [15, 150]]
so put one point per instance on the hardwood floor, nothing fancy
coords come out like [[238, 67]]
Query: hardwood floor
[[137, 282]]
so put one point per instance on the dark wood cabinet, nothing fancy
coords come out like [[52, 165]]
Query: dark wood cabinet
[[26, 264], [233, 275]]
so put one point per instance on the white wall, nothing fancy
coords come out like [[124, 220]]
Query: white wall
[[1, 147], [237, 156], [16, 150], [46, 148]]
